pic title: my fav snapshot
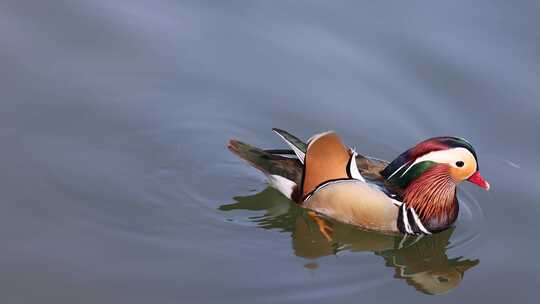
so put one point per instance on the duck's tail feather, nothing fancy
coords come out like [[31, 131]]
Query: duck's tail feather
[[280, 151], [284, 173]]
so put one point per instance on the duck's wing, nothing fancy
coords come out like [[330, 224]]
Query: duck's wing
[[330, 159], [328, 145], [369, 167], [327, 159], [298, 146]]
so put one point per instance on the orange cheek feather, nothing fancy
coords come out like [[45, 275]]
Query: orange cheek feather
[[461, 174]]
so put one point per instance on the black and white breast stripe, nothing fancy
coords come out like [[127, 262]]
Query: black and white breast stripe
[[409, 222]]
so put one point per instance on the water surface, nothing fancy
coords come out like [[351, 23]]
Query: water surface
[[117, 187]]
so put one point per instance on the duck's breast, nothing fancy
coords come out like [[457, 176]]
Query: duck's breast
[[357, 203]]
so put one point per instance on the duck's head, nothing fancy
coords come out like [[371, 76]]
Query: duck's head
[[451, 157]]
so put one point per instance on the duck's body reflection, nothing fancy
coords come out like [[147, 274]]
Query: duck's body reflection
[[419, 260]]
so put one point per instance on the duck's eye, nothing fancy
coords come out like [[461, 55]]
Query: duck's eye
[[460, 164]]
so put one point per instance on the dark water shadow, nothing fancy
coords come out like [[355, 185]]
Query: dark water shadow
[[421, 261]]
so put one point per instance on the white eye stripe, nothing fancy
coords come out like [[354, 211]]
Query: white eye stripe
[[450, 156]]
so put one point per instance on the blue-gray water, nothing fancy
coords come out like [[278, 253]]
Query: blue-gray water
[[116, 185]]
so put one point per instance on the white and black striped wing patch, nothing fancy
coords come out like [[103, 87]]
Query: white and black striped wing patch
[[352, 168], [293, 143], [409, 222]]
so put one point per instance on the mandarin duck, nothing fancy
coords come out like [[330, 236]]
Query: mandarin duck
[[413, 194]]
